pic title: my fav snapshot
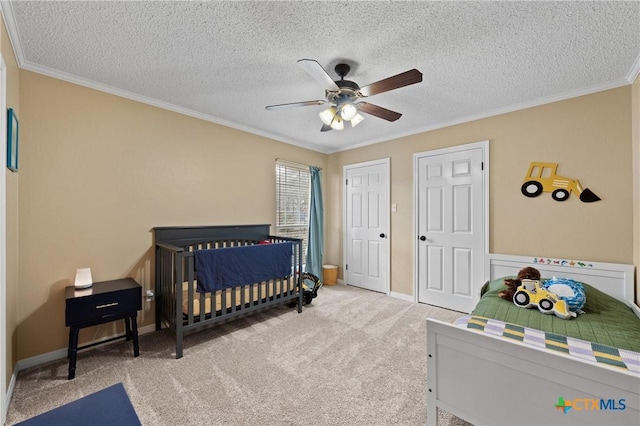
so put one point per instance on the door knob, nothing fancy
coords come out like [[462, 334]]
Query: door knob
[[382, 235], [423, 238]]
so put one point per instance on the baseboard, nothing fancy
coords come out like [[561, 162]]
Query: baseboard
[[401, 296], [393, 294], [62, 353], [12, 385], [146, 329], [41, 359]]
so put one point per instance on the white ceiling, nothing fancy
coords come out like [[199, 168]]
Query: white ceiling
[[224, 61]]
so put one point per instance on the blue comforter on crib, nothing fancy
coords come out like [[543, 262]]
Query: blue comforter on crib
[[221, 268]]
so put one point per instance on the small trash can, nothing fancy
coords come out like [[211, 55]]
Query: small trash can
[[329, 274]]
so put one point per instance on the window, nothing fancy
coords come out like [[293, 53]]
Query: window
[[293, 188]]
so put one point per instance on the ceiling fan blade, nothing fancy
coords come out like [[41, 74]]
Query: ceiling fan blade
[[325, 128], [296, 104], [400, 80], [378, 111], [316, 71]]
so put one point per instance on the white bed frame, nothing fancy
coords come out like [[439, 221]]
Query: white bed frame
[[488, 380]]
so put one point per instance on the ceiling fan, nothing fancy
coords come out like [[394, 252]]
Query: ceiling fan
[[345, 96]]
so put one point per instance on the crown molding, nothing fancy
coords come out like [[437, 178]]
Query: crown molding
[[12, 30], [634, 71]]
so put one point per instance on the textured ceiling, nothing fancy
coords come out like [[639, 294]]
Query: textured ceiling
[[224, 61]]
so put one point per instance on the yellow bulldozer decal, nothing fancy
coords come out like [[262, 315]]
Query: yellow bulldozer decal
[[542, 177]]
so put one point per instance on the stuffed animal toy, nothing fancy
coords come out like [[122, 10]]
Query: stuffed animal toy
[[531, 294], [527, 273], [572, 292]]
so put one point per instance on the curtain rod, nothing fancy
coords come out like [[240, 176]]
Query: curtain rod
[[294, 164]]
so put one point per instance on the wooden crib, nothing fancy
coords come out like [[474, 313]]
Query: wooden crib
[[182, 306]]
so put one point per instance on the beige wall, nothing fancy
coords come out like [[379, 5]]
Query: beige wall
[[590, 138], [99, 171], [11, 211]]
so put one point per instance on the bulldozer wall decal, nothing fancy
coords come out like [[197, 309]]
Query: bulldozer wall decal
[[542, 177]]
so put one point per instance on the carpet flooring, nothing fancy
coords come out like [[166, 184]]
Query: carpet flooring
[[353, 357]]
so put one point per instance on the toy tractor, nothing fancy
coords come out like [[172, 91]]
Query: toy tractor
[[530, 294], [542, 177]]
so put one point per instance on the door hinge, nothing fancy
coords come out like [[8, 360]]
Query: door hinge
[[346, 182], [482, 165], [346, 267]]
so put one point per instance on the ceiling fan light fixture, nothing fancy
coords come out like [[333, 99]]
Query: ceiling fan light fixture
[[357, 119], [344, 95], [328, 115], [348, 111]]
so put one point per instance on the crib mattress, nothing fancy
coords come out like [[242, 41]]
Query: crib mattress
[[251, 294]]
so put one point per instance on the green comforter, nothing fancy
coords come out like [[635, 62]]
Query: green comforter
[[606, 320]]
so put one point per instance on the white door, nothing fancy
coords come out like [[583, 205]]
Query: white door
[[451, 226], [367, 225]]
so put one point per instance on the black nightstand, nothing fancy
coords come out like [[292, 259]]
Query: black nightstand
[[103, 302]]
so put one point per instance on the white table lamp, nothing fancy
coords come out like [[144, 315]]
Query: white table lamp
[[83, 278]]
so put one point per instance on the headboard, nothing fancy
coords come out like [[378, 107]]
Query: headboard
[[615, 279]]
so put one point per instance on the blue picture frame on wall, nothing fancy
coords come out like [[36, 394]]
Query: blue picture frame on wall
[[12, 140]]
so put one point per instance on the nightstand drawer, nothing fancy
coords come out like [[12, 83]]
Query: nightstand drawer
[[107, 299]]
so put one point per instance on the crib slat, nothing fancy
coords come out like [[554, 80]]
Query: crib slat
[[190, 297], [203, 306], [242, 297], [275, 294], [279, 288], [178, 306], [170, 290], [233, 300]]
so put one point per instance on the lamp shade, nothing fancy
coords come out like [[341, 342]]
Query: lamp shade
[[357, 119], [348, 111], [337, 123], [83, 278], [327, 115]]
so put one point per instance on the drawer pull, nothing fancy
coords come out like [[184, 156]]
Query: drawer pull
[[107, 305]]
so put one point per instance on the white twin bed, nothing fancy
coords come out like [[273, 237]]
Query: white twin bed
[[489, 380]]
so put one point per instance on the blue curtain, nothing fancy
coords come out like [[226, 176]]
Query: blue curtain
[[315, 248]]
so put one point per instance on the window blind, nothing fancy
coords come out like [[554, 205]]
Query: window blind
[[293, 189]]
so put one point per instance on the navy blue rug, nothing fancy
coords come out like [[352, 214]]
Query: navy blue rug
[[108, 407]]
